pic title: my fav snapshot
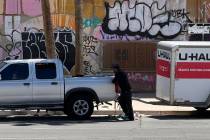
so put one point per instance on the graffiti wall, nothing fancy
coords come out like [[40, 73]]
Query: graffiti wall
[[21, 28], [147, 19], [118, 20], [21, 31], [129, 20], [10, 46], [205, 10], [140, 20], [91, 55], [33, 46]]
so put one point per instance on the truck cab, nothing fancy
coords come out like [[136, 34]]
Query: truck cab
[[25, 83]]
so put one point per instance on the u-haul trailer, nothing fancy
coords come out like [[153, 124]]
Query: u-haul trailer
[[183, 73]]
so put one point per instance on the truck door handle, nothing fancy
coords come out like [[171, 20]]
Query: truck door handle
[[54, 83], [26, 84]]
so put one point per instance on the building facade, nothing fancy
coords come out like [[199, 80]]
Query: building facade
[[112, 31]]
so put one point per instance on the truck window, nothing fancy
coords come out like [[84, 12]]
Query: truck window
[[18, 71], [45, 70], [2, 64]]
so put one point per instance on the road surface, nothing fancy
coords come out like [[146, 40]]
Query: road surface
[[191, 127]]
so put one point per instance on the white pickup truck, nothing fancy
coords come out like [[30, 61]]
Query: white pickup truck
[[40, 84]]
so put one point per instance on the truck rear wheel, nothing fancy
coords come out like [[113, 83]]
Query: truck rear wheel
[[79, 107]]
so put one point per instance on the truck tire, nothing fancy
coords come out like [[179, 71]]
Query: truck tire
[[79, 107], [201, 109]]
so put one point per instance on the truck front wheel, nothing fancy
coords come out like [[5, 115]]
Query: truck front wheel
[[79, 107]]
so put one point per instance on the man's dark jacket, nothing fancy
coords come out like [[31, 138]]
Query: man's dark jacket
[[122, 80]]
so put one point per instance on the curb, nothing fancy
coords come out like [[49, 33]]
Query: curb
[[152, 113], [5, 113], [105, 112]]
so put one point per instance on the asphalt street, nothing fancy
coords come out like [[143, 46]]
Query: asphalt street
[[188, 127]]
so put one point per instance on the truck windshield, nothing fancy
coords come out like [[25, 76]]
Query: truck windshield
[[2, 64]]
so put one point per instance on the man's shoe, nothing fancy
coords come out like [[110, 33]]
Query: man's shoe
[[125, 118]]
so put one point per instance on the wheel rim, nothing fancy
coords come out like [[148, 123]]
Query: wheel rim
[[81, 107]]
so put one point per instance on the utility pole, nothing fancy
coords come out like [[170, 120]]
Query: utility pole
[[78, 25], [48, 30]]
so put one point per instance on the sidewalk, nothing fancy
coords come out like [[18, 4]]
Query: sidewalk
[[145, 103]]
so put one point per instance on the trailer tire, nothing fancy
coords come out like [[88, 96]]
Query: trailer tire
[[79, 107]]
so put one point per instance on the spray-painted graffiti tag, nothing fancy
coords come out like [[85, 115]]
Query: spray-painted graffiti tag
[[10, 47], [89, 45], [88, 68], [145, 81], [93, 22], [65, 48], [148, 20], [91, 51], [205, 10], [179, 13], [33, 44], [105, 36]]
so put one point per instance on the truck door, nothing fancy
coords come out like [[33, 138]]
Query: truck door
[[46, 84], [15, 85]]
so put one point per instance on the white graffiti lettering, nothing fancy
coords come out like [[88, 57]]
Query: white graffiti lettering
[[142, 19]]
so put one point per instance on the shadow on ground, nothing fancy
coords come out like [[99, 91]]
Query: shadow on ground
[[140, 97], [144, 95], [151, 102], [190, 115], [53, 120]]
